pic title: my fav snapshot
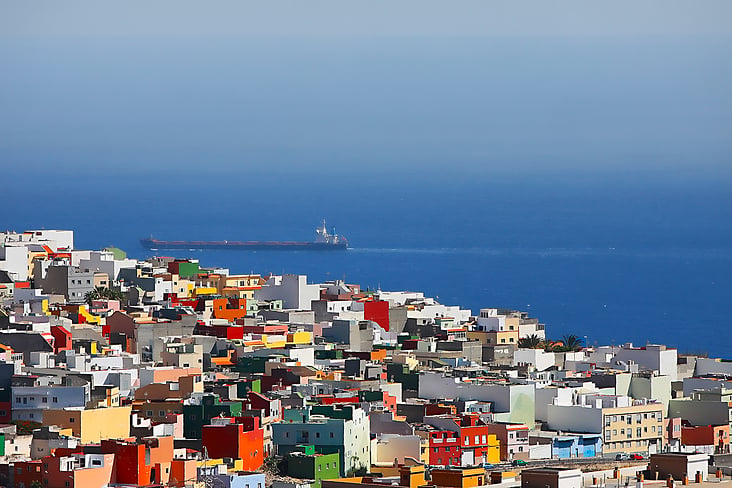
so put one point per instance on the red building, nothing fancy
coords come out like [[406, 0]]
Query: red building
[[224, 439], [26, 472], [459, 440], [444, 448], [141, 463], [61, 338]]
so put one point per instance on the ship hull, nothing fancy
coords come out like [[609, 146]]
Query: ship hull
[[245, 245]]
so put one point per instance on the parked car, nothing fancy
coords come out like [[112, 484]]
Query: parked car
[[622, 457], [636, 457], [519, 462]]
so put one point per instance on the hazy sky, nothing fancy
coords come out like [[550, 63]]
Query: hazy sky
[[384, 85]]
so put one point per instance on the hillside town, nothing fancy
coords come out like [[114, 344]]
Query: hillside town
[[164, 372]]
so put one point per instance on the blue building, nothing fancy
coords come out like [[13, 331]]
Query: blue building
[[240, 479], [576, 445]]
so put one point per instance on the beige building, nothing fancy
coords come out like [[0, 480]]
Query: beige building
[[637, 428], [494, 337]]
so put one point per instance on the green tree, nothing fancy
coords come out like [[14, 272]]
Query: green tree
[[103, 293], [570, 343], [531, 341]]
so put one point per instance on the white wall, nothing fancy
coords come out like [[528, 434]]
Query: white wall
[[540, 451], [391, 446], [104, 261], [293, 290], [538, 358], [517, 401], [652, 357], [59, 238], [574, 419], [706, 366], [14, 260]]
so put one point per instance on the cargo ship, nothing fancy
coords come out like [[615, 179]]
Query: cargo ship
[[324, 241]]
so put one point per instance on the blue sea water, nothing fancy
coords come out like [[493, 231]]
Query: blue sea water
[[632, 258]]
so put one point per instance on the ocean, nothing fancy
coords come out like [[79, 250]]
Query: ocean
[[638, 258]]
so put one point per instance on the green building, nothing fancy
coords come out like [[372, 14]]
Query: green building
[[196, 416], [245, 386], [251, 364], [305, 463], [400, 373], [186, 270]]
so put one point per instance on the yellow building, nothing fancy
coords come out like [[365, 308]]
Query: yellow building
[[638, 428], [92, 425]]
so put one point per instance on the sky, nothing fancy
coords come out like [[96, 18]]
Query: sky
[[353, 87]]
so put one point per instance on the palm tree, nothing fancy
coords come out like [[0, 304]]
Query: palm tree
[[102, 293], [531, 341], [572, 343]]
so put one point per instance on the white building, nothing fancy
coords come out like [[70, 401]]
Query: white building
[[103, 261], [14, 260], [293, 290], [538, 358], [511, 402], [29, 402]]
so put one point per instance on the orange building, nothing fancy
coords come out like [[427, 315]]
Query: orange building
[[459, 478], [224, 439], [141, 463]]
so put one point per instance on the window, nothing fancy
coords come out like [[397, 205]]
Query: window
[[287, 434], [44, 400], [55, 399], [331, 435], [317, 435], [477, 439], [467, 440], [17, 399], [436, 449], [149, 413], [638, 432], [72, 419], [615, 431], [485, 440], [320, 467], [161, 413]]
